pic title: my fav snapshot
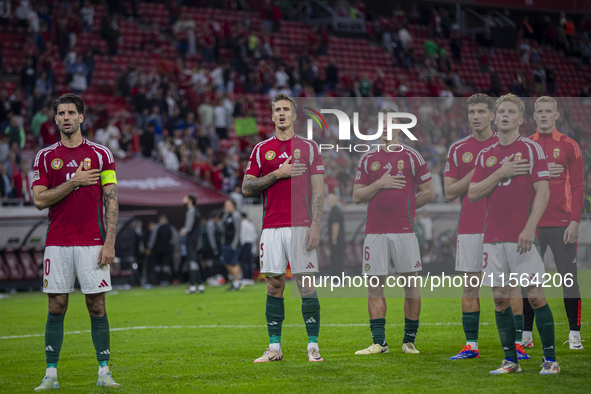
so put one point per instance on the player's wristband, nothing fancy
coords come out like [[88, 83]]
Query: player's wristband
[[108, 177]]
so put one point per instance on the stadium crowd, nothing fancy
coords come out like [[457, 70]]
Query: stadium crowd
[[182, 115]]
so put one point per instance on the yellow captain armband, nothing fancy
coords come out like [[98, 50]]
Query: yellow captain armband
[[108, 177]]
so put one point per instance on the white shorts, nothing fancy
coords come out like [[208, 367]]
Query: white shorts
[[402, 249], [502, 259], [469, 253], [286, 244], [63, 264]]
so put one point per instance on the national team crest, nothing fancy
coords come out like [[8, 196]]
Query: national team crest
[[400, 165], [270, 155], [297, 154], [56, 164], [367, 267], [467, 157], [518, 156], [86, 164], [45, 283], [375, 166], [556, 153], [491, 161]]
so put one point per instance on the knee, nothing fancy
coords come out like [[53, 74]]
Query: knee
[[274, 288], [58, 307], [471, 292], [96, 307], [502, 303], [537, 302]]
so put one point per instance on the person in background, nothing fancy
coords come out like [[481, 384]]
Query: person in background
[[192, 233], [336, 233], [248, 240], [161, 248], [231, 242]]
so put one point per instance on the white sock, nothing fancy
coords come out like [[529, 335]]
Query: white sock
[[103, 370], [527, 335], [576, 334], [51, 372], [275, 346], [312, 345], [474, 345]]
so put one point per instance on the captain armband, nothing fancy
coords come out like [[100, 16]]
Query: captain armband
[[108, 177]]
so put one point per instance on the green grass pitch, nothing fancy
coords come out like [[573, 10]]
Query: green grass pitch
[[164, 341]]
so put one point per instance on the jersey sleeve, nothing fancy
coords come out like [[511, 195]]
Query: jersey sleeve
[[422, 175], [576, 165], [451, 167], [40, 176], [539, 171], [254, 163], [478, 175], [316, 165], [361, 176], [108, 175]]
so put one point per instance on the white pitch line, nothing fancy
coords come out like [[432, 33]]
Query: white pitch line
[[241, 326]]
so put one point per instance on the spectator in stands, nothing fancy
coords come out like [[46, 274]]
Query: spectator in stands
[[39, 118], [525, 51], [44, 85], [539, 79], [7, 189], [15, 132], [4, 147], [525, 28], [147, 140], [88, 59], [221, 116], [87, 14], [495, 84], [16, 101], [483, 60], [551, 80], [205, 113], [5, 11], [182, 29], [48, 131], [208, 43], [585, 50], [79, 72], [28, 76], [36, 101], [110, 32], [435, 24]]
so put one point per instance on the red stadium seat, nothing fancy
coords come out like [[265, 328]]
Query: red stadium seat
[[31, 270], [3, 270], [15, 271]]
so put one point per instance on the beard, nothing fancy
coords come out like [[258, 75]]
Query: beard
[[73, 130]]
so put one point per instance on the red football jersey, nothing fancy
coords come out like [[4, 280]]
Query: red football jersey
[[460, 161], [567, 192], [509, 204], [77, 220], [288, 202], [392, 211]]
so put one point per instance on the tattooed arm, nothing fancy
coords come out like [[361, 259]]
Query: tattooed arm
[[251, 186], [107, 253], [313, 236]]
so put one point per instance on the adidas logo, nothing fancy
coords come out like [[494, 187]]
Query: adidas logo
[[283, 156], [48, 348], [272, 323], [418, 264], [388, 166], [311, 320], [72, 164], [310, 266], [103, 284], [105, 352]]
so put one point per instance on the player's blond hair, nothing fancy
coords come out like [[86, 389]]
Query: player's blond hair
[[546, 99], [386, 111], [281, 96], [510, 97]]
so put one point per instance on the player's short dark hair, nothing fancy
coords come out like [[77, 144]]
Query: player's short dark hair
[[281, 96], [69, 98], [233, 202], [192, 198], [482, 98]]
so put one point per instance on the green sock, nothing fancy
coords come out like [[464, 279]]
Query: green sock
[[275, 314], [519, 322], [54, 337], [311, 314], [378, 330], [506, 326], [545, 325], [101, 337], [470, 321], [410, 330]]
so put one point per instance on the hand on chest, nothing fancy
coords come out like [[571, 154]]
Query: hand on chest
[[275, 158], [396, 166]]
